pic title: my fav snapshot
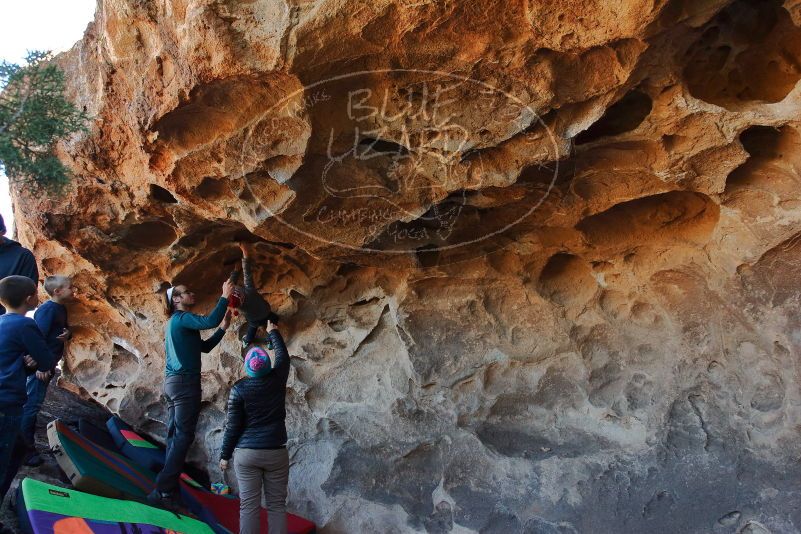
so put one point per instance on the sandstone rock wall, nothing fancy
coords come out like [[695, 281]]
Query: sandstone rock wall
[[537, 261]]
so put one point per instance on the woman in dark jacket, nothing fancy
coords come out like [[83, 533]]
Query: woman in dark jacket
[[255, 427]]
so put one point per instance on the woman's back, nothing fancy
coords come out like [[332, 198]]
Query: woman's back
[[256, 406], [264, 410]]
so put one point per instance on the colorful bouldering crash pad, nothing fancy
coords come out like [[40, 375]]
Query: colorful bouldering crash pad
[[46, 509], [223, 508], [134, 446], [104, 472], [96, 434], [138, 449], [94, 469]]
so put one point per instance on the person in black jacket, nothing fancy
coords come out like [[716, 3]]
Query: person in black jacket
[[15, 260], [256, 426]]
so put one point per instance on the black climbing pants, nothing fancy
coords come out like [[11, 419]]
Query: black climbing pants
[[183, 409]]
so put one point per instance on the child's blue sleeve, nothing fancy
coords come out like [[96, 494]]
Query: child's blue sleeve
[[44, 319], [35, 344]]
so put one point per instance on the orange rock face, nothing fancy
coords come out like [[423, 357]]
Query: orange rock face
[[536, 261]]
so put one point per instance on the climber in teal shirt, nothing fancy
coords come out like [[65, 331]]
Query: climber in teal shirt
[[183, 343], [184, 348]]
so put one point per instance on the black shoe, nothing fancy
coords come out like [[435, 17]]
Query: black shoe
[[33, 459], [165, 501]]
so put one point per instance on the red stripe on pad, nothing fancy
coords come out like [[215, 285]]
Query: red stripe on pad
[[136, 440], [131, 435]]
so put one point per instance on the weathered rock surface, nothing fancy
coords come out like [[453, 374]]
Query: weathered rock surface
[[537, 261]]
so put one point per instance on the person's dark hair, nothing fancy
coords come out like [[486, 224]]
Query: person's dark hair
[[15, 289], [2, 225], [169, 305]]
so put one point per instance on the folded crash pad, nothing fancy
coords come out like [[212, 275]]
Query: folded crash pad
[[46, 509], [100, 471], [97, 470], [96, 434], [134, 446]]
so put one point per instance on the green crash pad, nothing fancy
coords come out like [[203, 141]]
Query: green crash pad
[[53, 510]]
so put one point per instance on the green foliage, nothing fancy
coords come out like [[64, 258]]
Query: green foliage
[[34, 114]]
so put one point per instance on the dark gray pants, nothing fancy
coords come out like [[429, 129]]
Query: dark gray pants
[[12, 450], [257, 470], [183, 409]]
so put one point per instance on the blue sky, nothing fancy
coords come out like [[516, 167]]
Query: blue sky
[[38, 25]]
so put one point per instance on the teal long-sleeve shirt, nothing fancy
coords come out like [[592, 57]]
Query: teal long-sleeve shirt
[[183, 343]]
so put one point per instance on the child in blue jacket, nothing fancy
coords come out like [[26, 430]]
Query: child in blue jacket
[[22, 349], [52, 320]]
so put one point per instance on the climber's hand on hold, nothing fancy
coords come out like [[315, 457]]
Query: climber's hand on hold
[[30, 363], [227, 289]]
